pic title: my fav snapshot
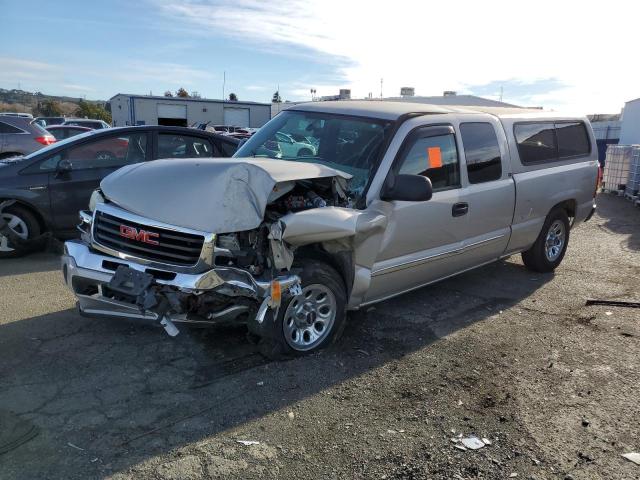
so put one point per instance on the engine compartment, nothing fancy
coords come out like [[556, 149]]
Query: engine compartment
[[253, 249]]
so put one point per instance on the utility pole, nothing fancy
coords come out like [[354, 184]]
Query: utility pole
[[381, 81], [500, 92], [224, 81]]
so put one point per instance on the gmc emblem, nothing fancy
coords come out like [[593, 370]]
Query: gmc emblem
[[143, 236]]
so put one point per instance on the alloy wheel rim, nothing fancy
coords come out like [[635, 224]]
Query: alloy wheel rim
[[18, 226], [554, 242], [309, 317]]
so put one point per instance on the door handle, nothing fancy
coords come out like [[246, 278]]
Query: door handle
[[459, 209]]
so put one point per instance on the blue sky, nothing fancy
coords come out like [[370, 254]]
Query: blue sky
[[99, 48]]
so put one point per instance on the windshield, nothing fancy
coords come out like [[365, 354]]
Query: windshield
[[350, 144]]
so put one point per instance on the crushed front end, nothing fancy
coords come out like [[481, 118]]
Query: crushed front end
[[126, 265]]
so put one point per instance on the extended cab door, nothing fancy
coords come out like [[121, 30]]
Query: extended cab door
[[423, 240], [488, 186]]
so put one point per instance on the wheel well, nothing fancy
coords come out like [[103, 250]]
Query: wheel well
[[34, 211], [341, 261], [569, 206]]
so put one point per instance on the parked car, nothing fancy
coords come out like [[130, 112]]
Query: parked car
[[48, 188], [49, 121], [66, 131], [291, 147], [20, 136], [87, 122], [16, 114], [398, 196]]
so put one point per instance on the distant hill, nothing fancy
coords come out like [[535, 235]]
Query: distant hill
[[22, 101]]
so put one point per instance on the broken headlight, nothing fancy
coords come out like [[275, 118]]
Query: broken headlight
[[96, 197]]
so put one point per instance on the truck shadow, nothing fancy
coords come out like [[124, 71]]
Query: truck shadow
[[620, 216], [124, 392], [45, 260]]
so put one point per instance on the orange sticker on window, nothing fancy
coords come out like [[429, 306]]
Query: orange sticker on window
[[434, 157]]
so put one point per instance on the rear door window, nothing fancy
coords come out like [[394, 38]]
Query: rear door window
[[572, 139], [6, 128], [183, 146], [481, 151], [435, 157], [536, 142]]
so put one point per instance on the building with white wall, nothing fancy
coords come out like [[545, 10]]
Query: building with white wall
[[178, 111], [630, 127]]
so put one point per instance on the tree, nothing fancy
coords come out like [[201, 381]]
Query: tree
[[233, 97], [181, 92], [168, 93], [276, 97], [50, 108], [91, 110]]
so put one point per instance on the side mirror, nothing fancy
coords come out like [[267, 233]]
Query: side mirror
[[64, 166], [407, 188]]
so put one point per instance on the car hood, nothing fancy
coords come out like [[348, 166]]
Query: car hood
[[210, 195]]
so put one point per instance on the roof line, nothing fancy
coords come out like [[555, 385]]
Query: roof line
[[188, 99]]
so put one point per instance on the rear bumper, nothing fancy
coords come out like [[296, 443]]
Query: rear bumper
[[593, 210], [86, 273]]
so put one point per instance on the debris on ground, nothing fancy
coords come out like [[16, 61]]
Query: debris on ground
[[75, 446], [246, 443], [473, 443], [632, 457], [612, 303]]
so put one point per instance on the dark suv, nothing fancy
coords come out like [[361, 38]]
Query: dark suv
[[45, 190]]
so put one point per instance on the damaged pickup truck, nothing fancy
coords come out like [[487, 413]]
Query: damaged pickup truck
[[396, 196]]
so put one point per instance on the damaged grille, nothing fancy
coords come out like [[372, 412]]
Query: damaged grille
[[147, 242]]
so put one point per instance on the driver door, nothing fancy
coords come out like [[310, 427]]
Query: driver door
[[423, 240], [90, 162]]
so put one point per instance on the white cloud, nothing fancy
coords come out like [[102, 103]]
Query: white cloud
[[435, 46]]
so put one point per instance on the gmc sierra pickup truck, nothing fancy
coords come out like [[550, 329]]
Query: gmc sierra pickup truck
[[395, 196]]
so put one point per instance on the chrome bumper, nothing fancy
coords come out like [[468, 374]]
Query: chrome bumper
[[83, 268]]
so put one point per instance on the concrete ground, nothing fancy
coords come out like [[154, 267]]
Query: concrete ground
[[498, 352]]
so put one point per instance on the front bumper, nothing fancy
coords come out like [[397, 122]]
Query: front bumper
[[86, 273]]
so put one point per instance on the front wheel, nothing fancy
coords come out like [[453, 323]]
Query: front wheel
[[312, 320], [548, 251]]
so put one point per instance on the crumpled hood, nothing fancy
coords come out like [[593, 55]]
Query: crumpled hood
[[206, 194]]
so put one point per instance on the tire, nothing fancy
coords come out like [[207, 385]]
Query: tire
[[548, 251], [311, 321], [305, 152], [27, 227]]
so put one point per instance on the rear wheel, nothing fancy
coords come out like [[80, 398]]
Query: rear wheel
[[305, 152], [551, 245], [23, 224]]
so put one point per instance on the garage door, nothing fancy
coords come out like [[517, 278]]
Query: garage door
[[172, 111], [238, 117]]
